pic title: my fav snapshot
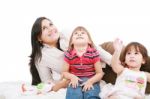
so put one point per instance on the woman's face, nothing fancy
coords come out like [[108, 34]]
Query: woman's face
[[50, 34]]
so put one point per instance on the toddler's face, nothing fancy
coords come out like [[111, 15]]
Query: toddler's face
[[80, 37], [134, 58]]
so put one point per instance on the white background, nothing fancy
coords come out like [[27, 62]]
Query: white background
[[128, 20]]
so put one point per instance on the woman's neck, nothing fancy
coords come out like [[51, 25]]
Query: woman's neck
[[54, 44]]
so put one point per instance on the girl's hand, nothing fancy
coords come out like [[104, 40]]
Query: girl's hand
[[74, 81], [87, 86], [118, 44]]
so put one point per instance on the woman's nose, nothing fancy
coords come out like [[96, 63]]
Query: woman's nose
[[50, 29]]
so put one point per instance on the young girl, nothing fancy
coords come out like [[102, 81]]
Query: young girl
[[131, 82], [82, 66], [48, 46]]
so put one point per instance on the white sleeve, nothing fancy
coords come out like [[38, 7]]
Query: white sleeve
[[64, 42], [104, 55], [44, 73], [50, 64]]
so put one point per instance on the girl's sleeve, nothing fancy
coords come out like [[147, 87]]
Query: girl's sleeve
[[104, 55], [66, 57], [96, 56]]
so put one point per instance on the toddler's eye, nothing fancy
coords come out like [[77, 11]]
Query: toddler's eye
[[128, 53], [83, 32], [75, 33], [50, 24]]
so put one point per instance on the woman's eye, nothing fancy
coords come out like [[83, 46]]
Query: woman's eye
[[44, 27]]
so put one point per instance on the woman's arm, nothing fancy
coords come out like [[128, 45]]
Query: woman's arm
[[64, 42], [44, 73], [105, 56], [51, 61]]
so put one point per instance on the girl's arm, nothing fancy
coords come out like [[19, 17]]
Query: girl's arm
[[96, 78], [64, 82], [73, 79], [99, 73], [65, 72], [115, 62], [148, 76]]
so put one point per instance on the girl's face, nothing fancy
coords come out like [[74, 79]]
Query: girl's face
[[50, 34], [134, 58], [80, 37]]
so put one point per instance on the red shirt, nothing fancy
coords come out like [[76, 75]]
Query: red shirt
[[82, 66]]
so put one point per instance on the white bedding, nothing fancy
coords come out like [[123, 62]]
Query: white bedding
[[12, 90]]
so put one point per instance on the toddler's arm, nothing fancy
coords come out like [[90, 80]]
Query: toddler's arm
[[115, 62], [96, 78]]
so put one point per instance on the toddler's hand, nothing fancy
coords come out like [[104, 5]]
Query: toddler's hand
[[74, 82], [118, 44], [87, 86]]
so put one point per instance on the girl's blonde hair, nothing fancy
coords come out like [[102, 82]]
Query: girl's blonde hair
[[80, 28]]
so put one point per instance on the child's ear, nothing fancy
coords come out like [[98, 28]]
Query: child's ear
[[89, 42], [71, 43], [143, 62]]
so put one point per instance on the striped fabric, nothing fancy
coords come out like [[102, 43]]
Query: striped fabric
[[82, 66]]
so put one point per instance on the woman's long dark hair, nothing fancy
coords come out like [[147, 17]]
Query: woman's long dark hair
[[36, 54]]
